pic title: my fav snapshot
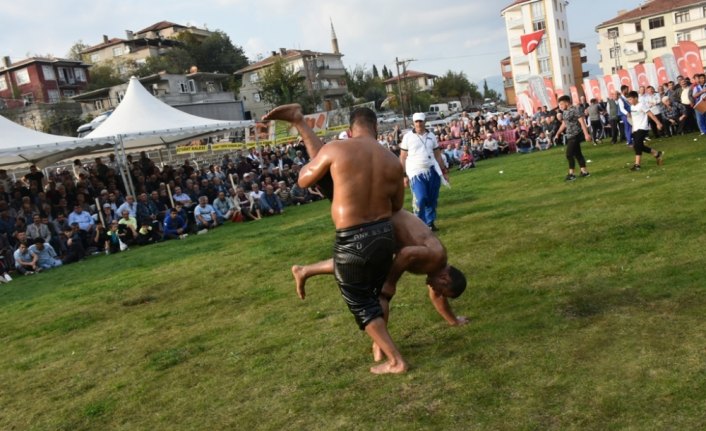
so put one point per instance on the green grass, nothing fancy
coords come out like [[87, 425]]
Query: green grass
[[586, 299]]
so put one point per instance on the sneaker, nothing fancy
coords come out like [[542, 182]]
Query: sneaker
[[3, 281], [570, 177], [29, 273], [7, 277], [635, 168], [585, 174], [202, 231], [433, 227], [660, 158]]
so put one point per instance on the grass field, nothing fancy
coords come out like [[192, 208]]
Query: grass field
[[586, 299]]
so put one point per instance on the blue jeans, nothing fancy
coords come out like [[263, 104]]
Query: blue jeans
[[628, 129], [701, 121], [425, 189]]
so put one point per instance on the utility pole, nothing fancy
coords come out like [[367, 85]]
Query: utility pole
[[404, 64]]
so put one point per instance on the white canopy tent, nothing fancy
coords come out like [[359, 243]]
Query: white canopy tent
[[22, 146], [141, 120]]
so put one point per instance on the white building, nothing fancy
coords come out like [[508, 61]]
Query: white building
[[649, 31], [553, 58]]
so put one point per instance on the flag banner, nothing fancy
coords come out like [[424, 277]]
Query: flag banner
[[662, 77], [549, 85], [604, 88], [670, 65], [633, 78], [531, 41], [595, 89], [624, 78], [641, 73], [682, 65], [609, 84], [525, 104], [538, 91], [558, 92], [651, 71], [692, 56]]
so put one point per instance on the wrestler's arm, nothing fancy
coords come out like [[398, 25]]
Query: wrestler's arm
[[441, 303], [406, 258], [403, 161], [316, 168]]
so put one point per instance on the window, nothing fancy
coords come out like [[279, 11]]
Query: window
[[542, 50], [680, 17], [53, 96], [544, 66], [703, 52], [256, 97], [558, 24], [95, 58], [640, 46], [3, 83], [118, 51], [48, 73], [656, 22], [120, 96], [613, 33], [537, 10], [555, 5], [659, 42], [638, 26], [254, 77], [122, 69], [538, 25], [683, 36], [69, 93], [615, 51], [22, 77], [28, 99], [80, 74], [187, 86], [98, 104]]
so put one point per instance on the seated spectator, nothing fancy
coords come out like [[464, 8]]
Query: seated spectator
[[46, 255], [147, 211], [182, 198], [127, 227], [300, 195], [71, 246], [675, 116], [490, 147], [204, 215], [108, 214], [315, 194], [225, 207], [38, 230], [25, 262], [129, 205], [467, 159], [4, 276], [524, 145], [247, 205], [147, 234], [112, 239], [85, 223], [174, 226], [270, 204], [284, 193], [542, 143]]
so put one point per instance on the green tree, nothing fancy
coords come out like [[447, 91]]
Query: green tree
[[490, 93], [280, 84], [455, 85], [75, 51], [175, 60], [103, 75], [364, 84], [375, 72], [217, 54]]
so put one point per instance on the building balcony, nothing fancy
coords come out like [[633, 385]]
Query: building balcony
[[508, 83], [634, 37], [634, 56], [520, 60], [514, 23], [584, 59], [690, 24], [515, 42]]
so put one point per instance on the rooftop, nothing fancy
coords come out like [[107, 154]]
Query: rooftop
[[650, 8], [31, 60], [287, 54], [160, 26], [410, 74]]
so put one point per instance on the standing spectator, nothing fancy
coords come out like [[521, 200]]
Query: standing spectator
[[624, 107], [421, 160], [594, 111], [45, 253], [654, 101], [613, 116], [574, 123], [698, 92]]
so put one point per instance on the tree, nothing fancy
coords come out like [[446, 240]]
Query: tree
[[217, 54], [75, 51], [363, 83], [176, 60], [454, 86], [103, 75], [280, 84], [489, 93], [375, 72]]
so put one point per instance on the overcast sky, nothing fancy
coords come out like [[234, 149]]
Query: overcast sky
[[464, 36]]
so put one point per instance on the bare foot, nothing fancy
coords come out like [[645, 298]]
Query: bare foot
[[377, 353], [291, 113], [298, 273], [389, 368]]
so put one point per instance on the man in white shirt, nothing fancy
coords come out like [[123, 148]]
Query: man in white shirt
[[421, 160], [640, 113], [624, 108]]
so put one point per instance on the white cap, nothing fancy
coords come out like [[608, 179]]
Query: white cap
[[419, 116], [343, 135]]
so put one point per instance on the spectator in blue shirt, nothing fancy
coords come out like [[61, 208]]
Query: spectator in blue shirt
[[270, 203], [46, 256]]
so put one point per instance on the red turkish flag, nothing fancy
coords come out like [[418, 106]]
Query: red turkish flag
[[662, 77], [531, 41], [642, 79], [683, 66], [558, 92], [595, 89], [609, 84], [550, 92], [692, 56], [625, 78]]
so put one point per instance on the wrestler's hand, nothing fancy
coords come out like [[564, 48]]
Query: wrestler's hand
[[406, 182]]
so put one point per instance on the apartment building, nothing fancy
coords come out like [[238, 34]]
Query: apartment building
[[642, 34]]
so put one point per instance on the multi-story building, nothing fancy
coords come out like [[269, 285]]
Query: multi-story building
[[323, 73], [136, 47], [198, 93], [649, 31], [553, 57], [410, 79], [40, 80]]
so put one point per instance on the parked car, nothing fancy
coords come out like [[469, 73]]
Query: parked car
[[87, 128]]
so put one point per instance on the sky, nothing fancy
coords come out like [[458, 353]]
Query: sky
[[463, 35]]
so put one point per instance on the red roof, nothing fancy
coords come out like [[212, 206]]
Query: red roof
[[410, 74], [31, 60], [650, 8], [110, 42]]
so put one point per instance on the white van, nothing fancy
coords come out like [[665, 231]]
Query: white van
[[440, 108], [455, 106]]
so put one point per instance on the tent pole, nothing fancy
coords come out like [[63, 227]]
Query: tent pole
[[127, 169], [120, 167]]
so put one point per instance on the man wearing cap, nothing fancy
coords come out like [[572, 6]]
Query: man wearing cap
[[424, 169]]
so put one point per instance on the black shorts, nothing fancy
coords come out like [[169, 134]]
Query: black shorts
[[362, 257]]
